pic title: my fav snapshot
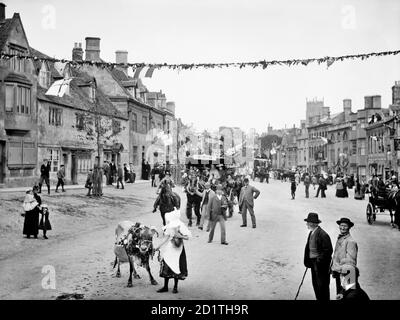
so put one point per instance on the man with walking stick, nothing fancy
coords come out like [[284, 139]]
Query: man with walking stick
[[317, 256]]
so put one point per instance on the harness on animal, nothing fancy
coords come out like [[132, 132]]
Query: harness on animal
[[130, 248]]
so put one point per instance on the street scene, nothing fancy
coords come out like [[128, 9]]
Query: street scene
[[258, 170], [261, 263]]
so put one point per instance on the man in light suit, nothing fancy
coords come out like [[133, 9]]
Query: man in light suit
[[206, 195], [217, 208], [246, 202]]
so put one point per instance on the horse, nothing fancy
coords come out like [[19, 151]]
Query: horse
[[167, 201]]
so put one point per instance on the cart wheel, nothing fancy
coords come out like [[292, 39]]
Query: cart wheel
[[369, 212]]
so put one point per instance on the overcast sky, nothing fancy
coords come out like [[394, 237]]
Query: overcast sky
[[201, 31]]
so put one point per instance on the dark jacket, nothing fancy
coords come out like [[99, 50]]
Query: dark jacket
[[45, 170], [355, 294], [324, 248], [217, 207], [120, 173]]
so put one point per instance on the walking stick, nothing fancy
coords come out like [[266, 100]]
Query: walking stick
[[297, 294]]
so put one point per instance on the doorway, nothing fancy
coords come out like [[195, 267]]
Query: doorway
[[74, 168]]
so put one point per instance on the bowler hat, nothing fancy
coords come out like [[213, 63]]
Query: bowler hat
[[345, 220], [312, 217]]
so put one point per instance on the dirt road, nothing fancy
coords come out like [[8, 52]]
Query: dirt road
[[261, 263]]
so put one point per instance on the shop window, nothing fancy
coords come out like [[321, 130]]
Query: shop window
[[53, 155]]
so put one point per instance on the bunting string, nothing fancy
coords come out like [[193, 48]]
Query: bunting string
[[137, 67]]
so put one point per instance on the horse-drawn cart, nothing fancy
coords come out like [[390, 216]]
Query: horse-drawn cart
[[379, 201]]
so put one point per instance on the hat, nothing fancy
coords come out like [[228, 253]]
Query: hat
[[312, 217], [345, 220]]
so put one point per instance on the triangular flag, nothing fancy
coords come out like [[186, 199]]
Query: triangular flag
[[149, 72], [137, 72], [329, 62]]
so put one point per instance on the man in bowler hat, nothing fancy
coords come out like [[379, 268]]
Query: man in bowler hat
[[317, 256]]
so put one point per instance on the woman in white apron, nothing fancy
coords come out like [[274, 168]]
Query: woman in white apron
[[172, 249]]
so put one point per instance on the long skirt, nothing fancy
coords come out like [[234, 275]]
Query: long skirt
[[166, 272], [44, 223], [31, 222], [342, 193]]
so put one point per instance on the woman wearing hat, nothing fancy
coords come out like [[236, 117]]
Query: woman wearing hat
[[345, 252], [44, 223], [172, 249], [31, 221]]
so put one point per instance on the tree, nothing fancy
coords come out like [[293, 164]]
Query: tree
[[98, 125]]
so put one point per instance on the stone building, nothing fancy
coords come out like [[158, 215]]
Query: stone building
[[18, 106], [149, 114], [66, 125]]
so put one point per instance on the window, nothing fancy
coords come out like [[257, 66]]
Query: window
[[84, 162], [354, 147], [10, 97], [44, 78], [15, 63], [361, 148], [116, 126], [153, 125], [159, 125], [80, 121], [19, 98], [55, 115], [168, 127], [134, 122], [144, 124], [135, 159], [54, 158]]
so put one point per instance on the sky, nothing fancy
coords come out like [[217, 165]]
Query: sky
[[216, 31]]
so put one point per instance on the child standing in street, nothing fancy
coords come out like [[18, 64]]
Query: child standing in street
[[293, 188], [44, 223]]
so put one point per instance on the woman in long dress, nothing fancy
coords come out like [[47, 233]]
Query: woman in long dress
[[31, 221], [172, 249]]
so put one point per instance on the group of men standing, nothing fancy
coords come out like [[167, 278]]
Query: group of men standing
[[214, 199], [342, 266], [45, 176]]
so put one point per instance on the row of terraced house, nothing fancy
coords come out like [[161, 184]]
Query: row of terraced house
[[361, 143], [45, 109]]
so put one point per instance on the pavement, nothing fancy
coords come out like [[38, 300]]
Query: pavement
[[66, 187]]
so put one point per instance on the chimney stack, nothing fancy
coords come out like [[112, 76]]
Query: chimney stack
[[121, 56], [77, 52], [92, 49], [396, 93], [2, 11], [347, 109]]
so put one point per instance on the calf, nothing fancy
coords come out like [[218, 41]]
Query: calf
[[134, 243]]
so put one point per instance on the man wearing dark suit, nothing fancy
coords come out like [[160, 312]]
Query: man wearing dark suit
[[217, 206], [351, 288], [45, 175], [246, 202], [317, 256]]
